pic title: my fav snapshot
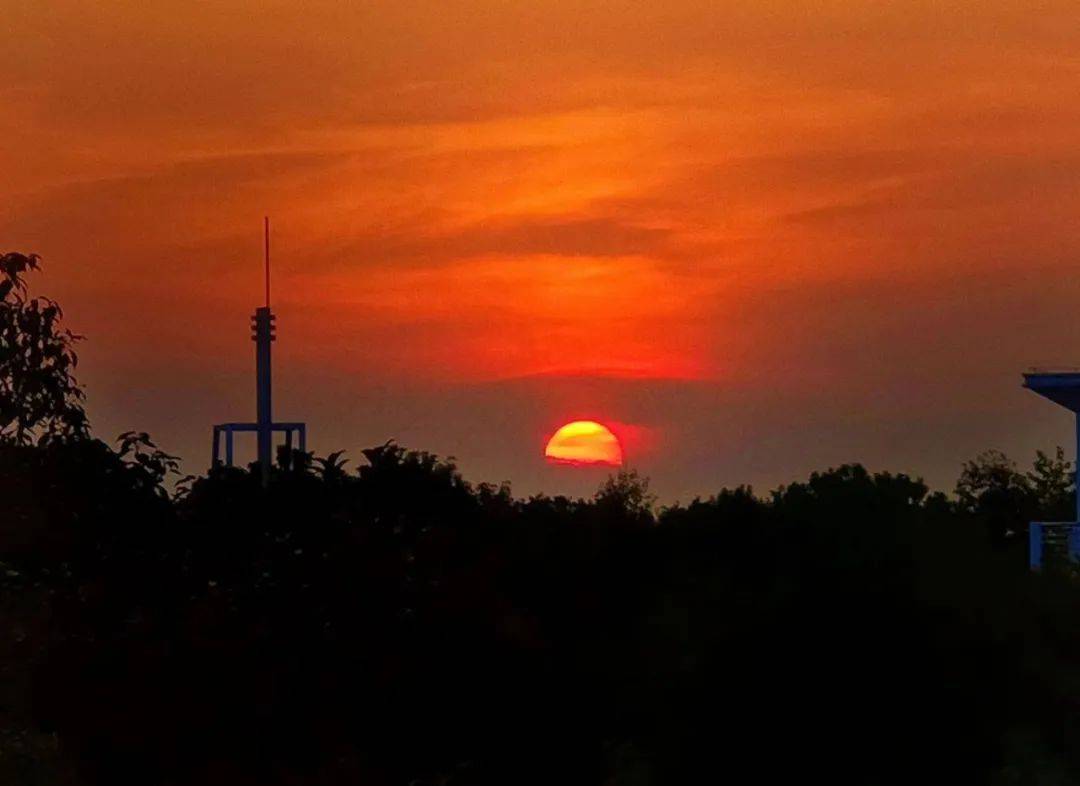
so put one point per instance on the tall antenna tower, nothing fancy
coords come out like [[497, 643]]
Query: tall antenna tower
[[264, 426]]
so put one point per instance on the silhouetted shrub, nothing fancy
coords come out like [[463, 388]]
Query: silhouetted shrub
[[395, 624]]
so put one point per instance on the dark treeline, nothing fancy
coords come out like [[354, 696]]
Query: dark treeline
[[394, 624]]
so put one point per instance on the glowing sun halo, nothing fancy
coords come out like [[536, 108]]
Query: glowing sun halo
[[584, 442]]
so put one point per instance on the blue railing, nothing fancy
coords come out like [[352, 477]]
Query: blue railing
[[1053, 536]]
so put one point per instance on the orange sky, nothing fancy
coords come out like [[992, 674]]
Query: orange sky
[[770, 236]]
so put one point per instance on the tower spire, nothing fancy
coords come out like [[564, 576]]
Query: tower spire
[[266, 255]]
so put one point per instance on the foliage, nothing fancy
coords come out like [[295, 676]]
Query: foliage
[[994, 491], [151, 464], [626, 493], [394, 624], [332, 468], [988, 479], [39, 396], [1052, 481]]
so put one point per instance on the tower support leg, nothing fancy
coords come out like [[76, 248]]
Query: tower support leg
[[1035, 545]]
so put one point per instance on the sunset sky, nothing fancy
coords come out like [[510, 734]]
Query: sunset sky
[[753, 238]]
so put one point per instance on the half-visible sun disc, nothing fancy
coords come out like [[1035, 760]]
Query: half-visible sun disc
[[584, 442]]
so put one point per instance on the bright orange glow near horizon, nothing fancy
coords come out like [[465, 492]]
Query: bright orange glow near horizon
[[772, 234], [584, 443]]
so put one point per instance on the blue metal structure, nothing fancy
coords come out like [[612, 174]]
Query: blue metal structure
[[264, 426], [1063, 388], [1059, 536], [263, 336], [228, 429]]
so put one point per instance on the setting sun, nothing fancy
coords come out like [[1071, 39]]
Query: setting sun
[[584, 442]]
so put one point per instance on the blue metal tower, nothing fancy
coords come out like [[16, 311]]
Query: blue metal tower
[[264, 425], [1063, 388]]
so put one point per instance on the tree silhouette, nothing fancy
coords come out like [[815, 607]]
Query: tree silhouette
[[992, 480], [394, 624], [627, 493], [1053, 482], [39, 396]]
